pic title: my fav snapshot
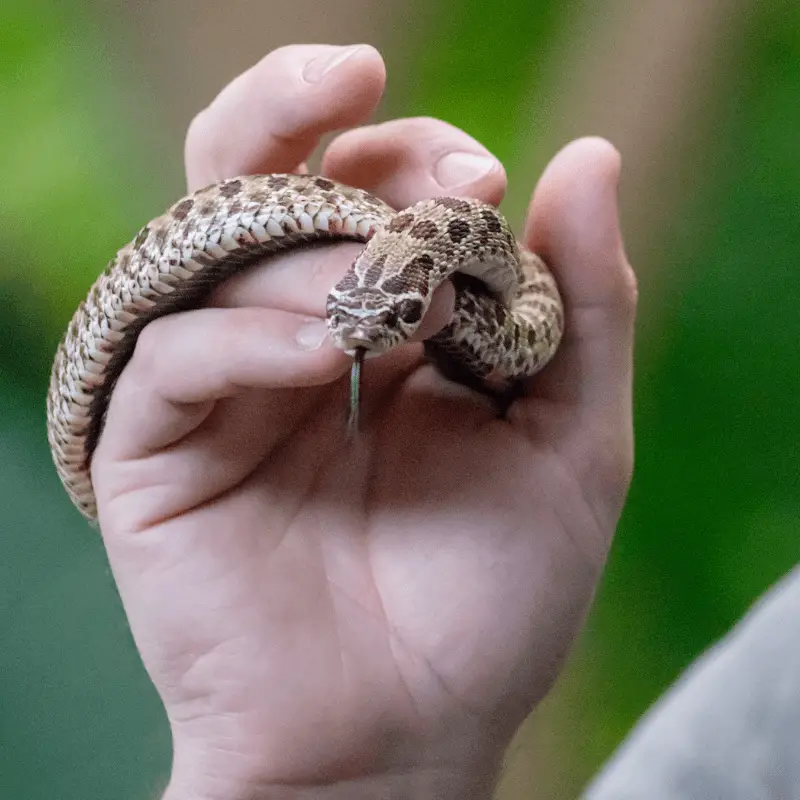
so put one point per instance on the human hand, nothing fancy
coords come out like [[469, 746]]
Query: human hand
[[330, 619]]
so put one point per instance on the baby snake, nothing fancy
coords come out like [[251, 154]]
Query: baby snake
[[507, 322]]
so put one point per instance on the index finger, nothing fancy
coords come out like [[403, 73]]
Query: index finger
[[270, 118]]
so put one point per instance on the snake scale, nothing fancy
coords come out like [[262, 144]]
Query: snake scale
[[507, 322]]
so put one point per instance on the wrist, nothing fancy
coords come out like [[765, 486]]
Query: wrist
[[427, 785], [439, 774]]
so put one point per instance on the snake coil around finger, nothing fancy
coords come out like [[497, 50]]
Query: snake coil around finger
[[507, 323]]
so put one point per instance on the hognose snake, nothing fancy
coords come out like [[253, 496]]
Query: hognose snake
[[507, 322]]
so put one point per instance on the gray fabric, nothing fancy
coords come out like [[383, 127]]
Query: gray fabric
[[730, 728]]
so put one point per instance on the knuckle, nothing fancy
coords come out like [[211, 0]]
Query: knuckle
[[148, 353]]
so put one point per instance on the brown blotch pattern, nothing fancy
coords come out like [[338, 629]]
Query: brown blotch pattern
[[458, 230], [181, 211], [491, 220], [415, 279], [454, 204], [230, 188], [425, 230], [394, 285], [400, 223], [423, 264], [325, 184]]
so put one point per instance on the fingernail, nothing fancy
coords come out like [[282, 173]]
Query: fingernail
[[311, 335], [320, 66], [456, 169]]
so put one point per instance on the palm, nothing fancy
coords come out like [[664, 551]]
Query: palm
[[415, 574]]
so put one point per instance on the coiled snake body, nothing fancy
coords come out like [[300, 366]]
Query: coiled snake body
[[506, 325]]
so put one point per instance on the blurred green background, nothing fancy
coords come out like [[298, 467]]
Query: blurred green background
[[703, 100]]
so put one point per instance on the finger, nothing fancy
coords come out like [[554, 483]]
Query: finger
[[407, 160], [573, 224], [183, 363], [300, 282], [270, 118]]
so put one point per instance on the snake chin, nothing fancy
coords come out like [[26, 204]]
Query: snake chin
[[373, 339]]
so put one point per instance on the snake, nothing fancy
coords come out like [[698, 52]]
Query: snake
[[507, 321]]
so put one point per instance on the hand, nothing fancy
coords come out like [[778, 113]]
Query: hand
[[377, 619]]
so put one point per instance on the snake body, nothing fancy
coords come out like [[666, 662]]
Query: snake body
[[507, 322]]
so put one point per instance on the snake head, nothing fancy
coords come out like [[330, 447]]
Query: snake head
[[372, 319]]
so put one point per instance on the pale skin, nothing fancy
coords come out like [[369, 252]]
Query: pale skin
[[324, 619]]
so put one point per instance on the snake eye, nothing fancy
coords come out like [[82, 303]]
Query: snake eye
[[410, 311]]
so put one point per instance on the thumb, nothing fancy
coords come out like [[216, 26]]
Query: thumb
[[573, 224]]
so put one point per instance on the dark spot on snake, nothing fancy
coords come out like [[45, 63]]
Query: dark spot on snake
[[181, 211], [410, 311], [424, 230], [491, 220], [278, 181], [458, 229], [400, 223], [324, 183], [416, 279], [230, 188], [531, 337], [454, 204], [501, 315], [394, 285], [421, 264]]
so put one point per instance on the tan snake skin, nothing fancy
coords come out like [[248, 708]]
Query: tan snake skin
[[507, 323]]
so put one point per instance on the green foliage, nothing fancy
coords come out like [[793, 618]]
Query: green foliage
[[712, 516]]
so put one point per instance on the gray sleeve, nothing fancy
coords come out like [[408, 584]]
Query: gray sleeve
[[730, 727]]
